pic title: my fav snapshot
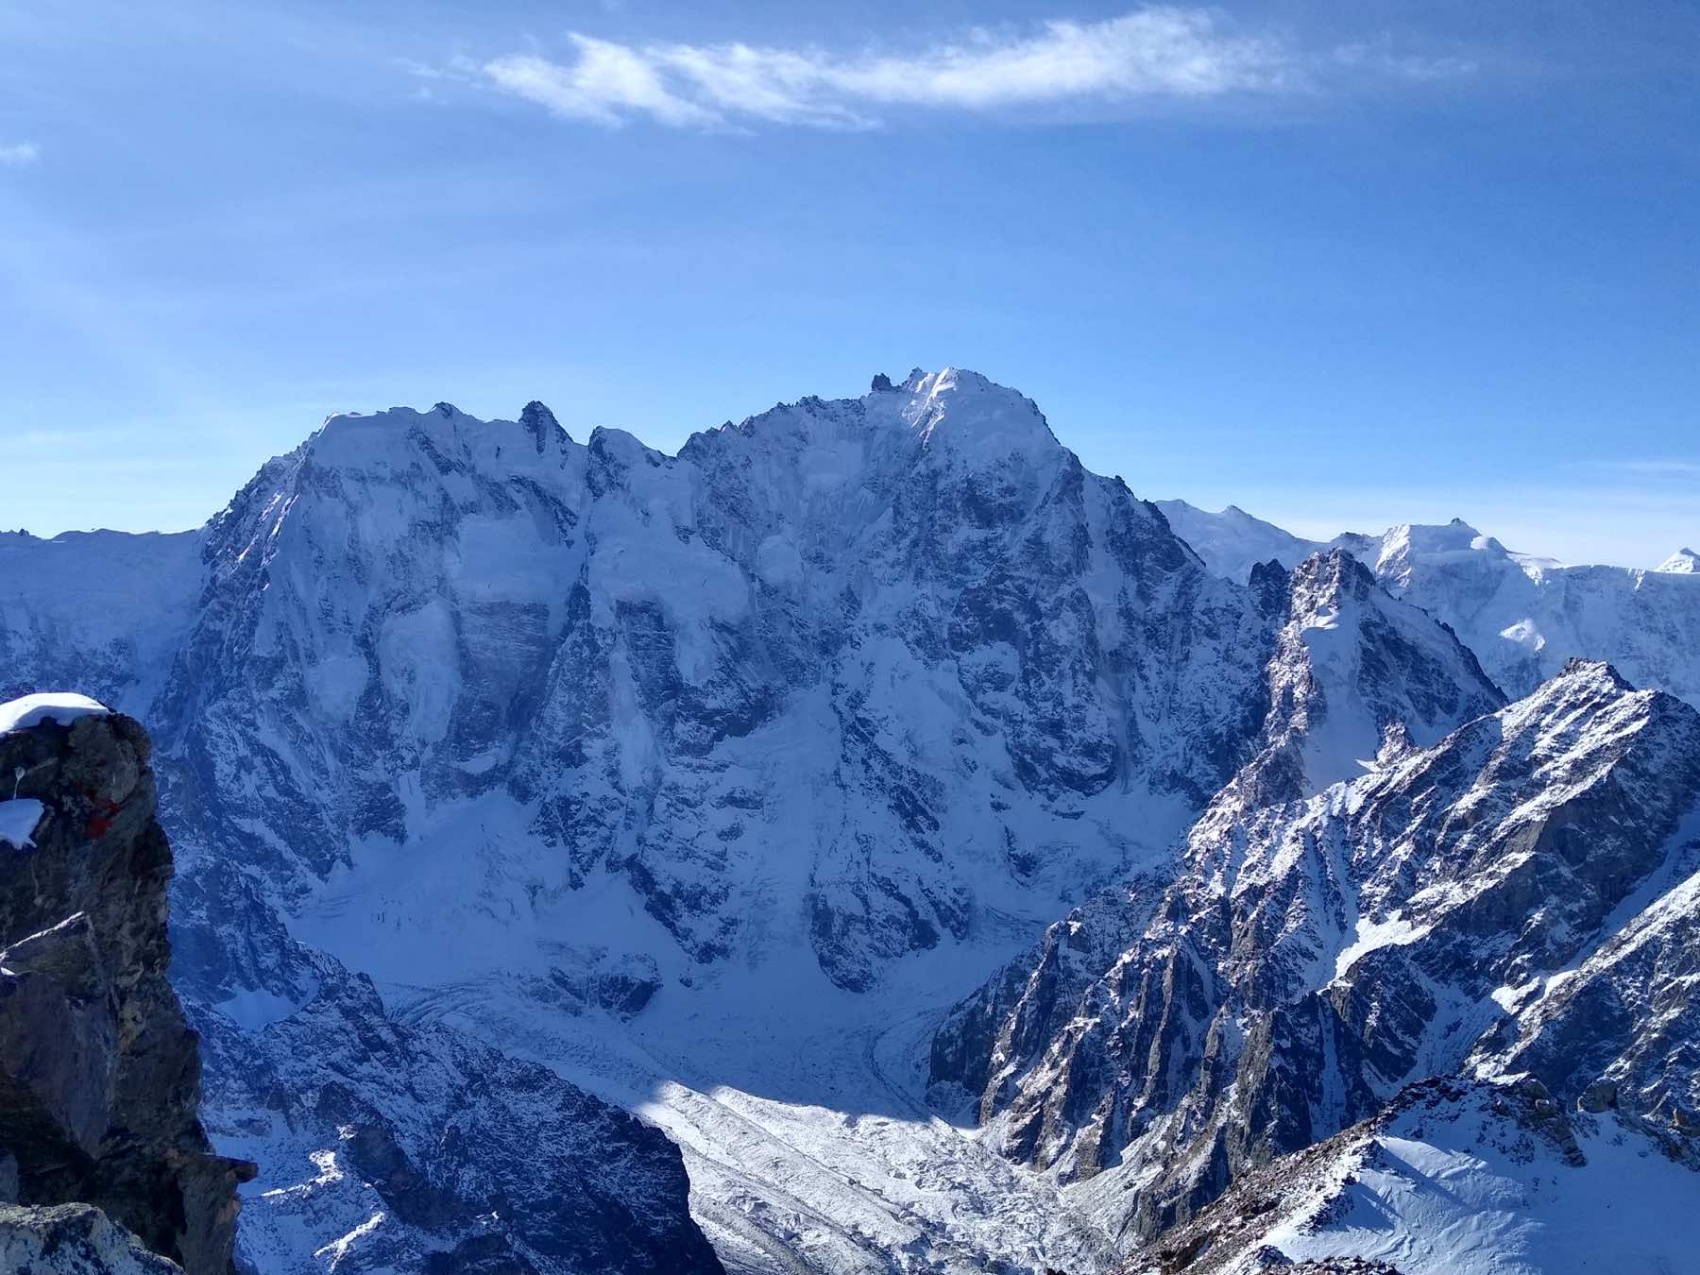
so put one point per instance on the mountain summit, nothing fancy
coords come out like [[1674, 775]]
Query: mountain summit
[[1682, 562]]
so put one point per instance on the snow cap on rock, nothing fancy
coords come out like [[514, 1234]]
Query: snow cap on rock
[[62, 707]]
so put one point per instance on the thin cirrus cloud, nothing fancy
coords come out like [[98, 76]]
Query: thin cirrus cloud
[[1158, 53], [15, 154]]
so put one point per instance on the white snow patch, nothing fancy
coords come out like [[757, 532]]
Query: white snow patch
[[778, 562], [254, 1009], [63, 707], [339, 1248], [1370, 935], [18, 820]]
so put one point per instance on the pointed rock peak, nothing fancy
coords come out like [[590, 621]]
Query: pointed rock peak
[[536, 414], [1396, 742], [1268, 584], [881, 384], [1578, 671], [1682, 562], [540, 424], [1327, 578], [446, 410], [616, 446]]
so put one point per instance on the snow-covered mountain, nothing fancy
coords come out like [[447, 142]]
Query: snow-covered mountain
[[1354, 670], [505, 770], [541, 735], [1683, 562], [1232, 542], [1518, 898], [818, 672], [1523, 616]]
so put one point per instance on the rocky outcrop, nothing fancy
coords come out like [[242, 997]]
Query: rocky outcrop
[[1353, 671], [73, 1239], [99, 1072]]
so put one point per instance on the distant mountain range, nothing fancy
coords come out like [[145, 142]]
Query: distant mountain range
[[1523, 616], [966, 863]]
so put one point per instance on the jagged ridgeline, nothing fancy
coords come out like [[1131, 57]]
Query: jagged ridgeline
[[519, 783], [1518, 898]]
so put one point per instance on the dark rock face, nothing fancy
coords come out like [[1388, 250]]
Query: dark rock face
[[474, 1161], [99, 1072], [1459, 906]]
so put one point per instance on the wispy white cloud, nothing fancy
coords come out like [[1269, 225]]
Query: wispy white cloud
[[1156, 53], [17, 154], [1380, 57], [606, 83]]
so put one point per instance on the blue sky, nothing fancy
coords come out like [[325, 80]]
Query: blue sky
[[1344, 265]]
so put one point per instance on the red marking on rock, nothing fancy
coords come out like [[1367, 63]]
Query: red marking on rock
[[100, 823]]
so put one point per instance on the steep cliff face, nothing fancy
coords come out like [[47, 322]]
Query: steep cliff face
[[536, 732], [99, 1072], [1517, 897], [1353, 671], [836, 659]]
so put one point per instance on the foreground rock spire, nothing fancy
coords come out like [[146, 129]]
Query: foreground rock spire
[[100, 1078]]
